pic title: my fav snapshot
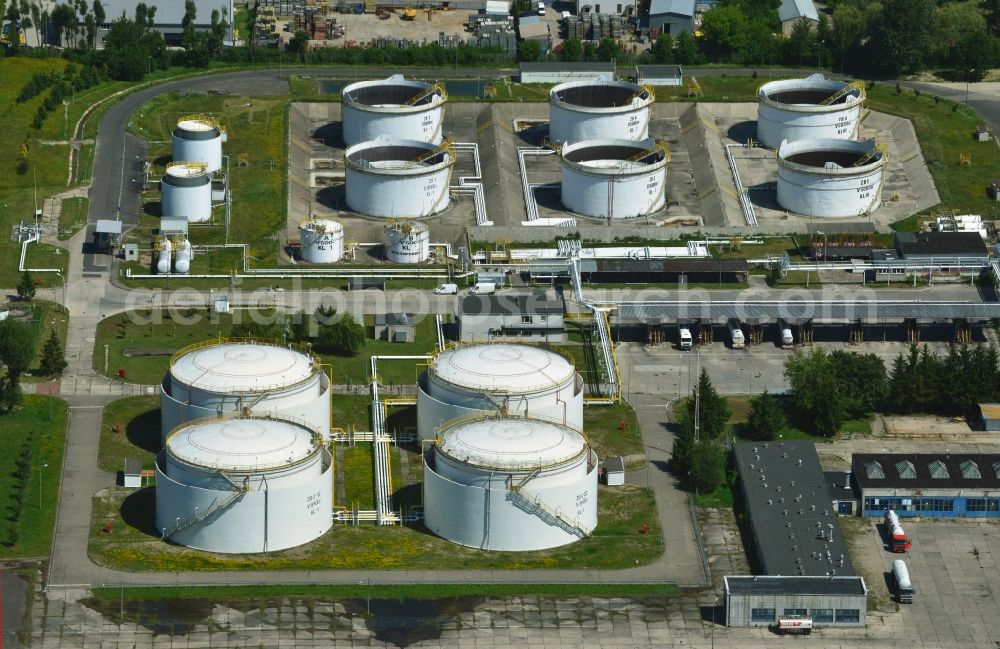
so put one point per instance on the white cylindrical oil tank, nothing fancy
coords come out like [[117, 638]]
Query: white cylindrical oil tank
[[599, 108], [182, 259], [393, 107], [163, 256], [406, 242], [810, 108], [522, 379], [613, 179], [398, 178], [321, 241], [830, 178], [222, 376], [244, 485], [199, 138], [510, 484], [187, 192]]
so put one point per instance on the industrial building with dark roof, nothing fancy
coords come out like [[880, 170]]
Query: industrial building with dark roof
[[955, 245], [799, 554], [938, 485]]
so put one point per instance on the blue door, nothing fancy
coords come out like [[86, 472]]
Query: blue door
[[844, 507]]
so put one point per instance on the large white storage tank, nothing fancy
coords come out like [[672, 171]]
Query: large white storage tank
[[398, 178], [406, 242], [243, 485], [475, 379], [321, 241], [614, 178], [830, 178], [187, 192], [510, 484], [599, 108], [394, 107], [199, 138], [810, 108], [223, 376]]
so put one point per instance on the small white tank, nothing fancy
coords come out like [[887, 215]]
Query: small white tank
[[321, 241], [187, 192], [163, 259], [182, 259], [199, 138], [407, 242]]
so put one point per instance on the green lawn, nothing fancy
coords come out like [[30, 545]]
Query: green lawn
[[352, 411], [138, 436], [45, 318], [613, 430], [740, 407], [358, 468], [618, 542], [257, 127], [73, 217], [946, 130], [36, 431]]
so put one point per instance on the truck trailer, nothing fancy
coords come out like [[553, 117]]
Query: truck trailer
[[901, 581], [898, 541]]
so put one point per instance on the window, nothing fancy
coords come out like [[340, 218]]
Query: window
[[822, 615], [526, 319], [882, 504], [543, 318], [619, 9], [848, 615], [970, 470], [597, 9], [982, 505], [795, 611], [874, 470], [762, 615], [905, 469], [938, 470], [933, 504]]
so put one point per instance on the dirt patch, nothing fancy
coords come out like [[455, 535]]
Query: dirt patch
[[925, 427], [870, 560]]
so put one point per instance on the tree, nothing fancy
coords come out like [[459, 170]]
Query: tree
[[53, 361], [766, 417], [708, 461], [680, 452], [298, 42], [801, 44], [864, 382], [725, 30], [339, 333], [90, 27], [816, 393], [188, 35], [99, 14], [26, 287], [124, 51], [16, 351], [686, 52], [992, 10], [36, 20], [849, 27], [608, 50], [903, 35], [713, 410], [572, 49], [529, 51], [662, 50], [13, 14], [955, 21]]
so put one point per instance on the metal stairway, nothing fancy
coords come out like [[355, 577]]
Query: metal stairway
[[551, 516], [216, 505]]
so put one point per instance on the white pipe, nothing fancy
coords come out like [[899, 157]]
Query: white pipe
[[24, 251]]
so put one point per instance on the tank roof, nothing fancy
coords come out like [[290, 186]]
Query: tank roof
[[242, 445], [512, 443], [189, 124], [502, 368], [187, 169], [241, 367]]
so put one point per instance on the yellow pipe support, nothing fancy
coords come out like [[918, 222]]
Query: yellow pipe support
[[614, 358]]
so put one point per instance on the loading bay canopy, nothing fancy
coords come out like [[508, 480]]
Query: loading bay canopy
[[792, 310]]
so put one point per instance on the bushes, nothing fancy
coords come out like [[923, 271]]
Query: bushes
[[63, 86], [21, 473], [36, 85]]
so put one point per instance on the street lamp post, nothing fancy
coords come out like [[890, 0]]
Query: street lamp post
[[968, 76], [823, 234], [819, 54]]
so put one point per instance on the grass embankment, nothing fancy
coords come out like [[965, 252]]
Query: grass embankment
[[142, 342], [257, 127], [31, 455], [379, 591], [138, 434], [134, 544], [614, 430], [46, 164], [73, 217]]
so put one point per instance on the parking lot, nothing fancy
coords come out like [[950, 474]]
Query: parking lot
[[954, 566]]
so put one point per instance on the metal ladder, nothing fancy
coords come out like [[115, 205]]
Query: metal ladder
[[546, 513], [216, 505]]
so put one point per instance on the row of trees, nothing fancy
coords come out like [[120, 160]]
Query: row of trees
[[827, 389], [325, 330], [73, 24], [698, 452], [888, 38]]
